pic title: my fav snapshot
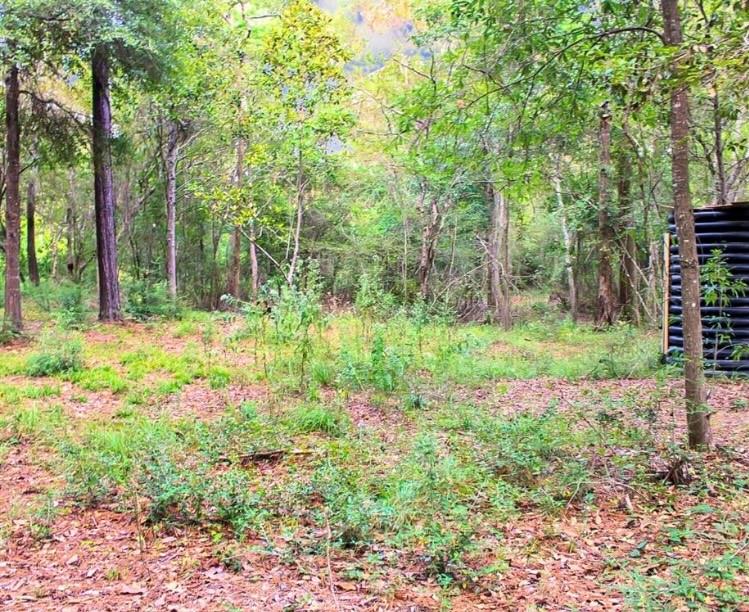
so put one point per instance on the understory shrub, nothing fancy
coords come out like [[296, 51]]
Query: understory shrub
[[145, 300], [57, 355]]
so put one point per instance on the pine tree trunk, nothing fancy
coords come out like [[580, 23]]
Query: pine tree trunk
[[170, 162], [606, 307], [698, 423], [13, 319], [31, 231], [106, 237]]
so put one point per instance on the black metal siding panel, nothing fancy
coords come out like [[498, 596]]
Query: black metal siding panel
[[725, 228]]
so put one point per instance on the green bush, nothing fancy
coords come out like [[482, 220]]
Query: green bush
[[310, 418], [146, 300], [57, 355]]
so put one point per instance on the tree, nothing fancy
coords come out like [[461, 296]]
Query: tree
[[110, 308], [303, 77], [698, 422], [606, 306], [136, 36], [13, 320]]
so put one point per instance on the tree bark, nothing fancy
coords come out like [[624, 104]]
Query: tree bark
[[31, 230], [429, 236], [499, 256], [698, 422], [170, 163], [628, 270], [569, 264], [606, 307], [13, 319], [720, 169], [104, 205], [300, 185]]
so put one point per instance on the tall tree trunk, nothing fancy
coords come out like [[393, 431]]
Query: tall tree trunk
[[569, 264], [170, 163], [31, 230], [429, 237], [13, 319], [698, 423], [499, 256], [606, 308], [628, 271], [106, 237]]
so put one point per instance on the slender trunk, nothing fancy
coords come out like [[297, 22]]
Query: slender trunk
[[404, 267], [299, 219], [499, 256], [33, 264], [106, 236], [720, 179], [170, 163], [255, 279], [429, 236], [628, 269], [235, 270], [13, 319], [698, 422], [569, 264], [606, 308], [70, 241]]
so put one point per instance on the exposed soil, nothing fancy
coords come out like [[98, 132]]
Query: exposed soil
[[105, 559]]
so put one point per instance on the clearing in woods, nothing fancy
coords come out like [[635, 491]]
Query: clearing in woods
[[244, 462]]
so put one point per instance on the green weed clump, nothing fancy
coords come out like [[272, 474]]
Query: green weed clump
[[146, 300], [309, 418], [57, 355], [99, 379]]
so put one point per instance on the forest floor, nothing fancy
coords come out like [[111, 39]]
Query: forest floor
[[222, 463]]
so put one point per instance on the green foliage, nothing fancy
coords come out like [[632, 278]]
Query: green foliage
[[100, 378], [146, 300], [71, 311], [57, 355], [309, 418]]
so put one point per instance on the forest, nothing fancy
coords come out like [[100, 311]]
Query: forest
[[374, 305]]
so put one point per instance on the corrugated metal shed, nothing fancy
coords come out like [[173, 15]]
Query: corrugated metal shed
[[725, 328]]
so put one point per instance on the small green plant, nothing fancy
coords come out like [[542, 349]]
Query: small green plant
[[218, 377], [310, 418], [57, 355], [43, 517], [295, 312], [99, 379], [387, 367], [719, 289]]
